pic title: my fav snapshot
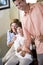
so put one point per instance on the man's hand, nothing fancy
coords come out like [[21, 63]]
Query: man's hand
[[27, 50], [11, 42]]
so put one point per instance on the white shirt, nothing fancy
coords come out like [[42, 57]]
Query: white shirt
[[19, 41]]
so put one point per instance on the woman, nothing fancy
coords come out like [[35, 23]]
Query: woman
[[10, 39]]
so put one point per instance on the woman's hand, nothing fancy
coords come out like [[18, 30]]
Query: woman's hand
[[14, 38]]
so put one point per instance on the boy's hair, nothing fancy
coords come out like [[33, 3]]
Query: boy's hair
[[13, 0], [17, 21]]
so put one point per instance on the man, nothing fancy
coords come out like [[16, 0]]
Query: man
[[32, 24]]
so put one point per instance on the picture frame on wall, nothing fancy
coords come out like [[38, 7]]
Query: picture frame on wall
[[4, 4]]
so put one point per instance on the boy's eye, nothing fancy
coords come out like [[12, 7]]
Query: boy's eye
[[19, 2]]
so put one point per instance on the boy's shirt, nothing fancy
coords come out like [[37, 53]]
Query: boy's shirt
[[19, 41]]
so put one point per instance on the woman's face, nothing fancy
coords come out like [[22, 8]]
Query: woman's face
[[14, 27]]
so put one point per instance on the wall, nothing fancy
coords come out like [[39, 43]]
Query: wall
[[14, 12]]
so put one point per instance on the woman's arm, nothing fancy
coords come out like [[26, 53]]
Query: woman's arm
[[9, 41]]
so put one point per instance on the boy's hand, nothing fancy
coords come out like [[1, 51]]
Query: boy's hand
[[18, 49], [23, 53]]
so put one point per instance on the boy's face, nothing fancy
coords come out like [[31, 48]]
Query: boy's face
[[19, 30], [20, 4]]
